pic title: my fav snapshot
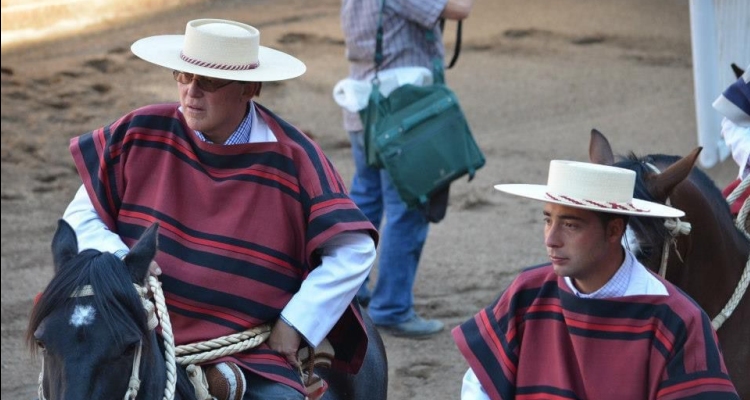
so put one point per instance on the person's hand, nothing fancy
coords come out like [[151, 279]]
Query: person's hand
[[154, 269], [285, 340], [457, 9]]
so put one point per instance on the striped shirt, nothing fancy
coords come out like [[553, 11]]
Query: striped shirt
[[404, 41]]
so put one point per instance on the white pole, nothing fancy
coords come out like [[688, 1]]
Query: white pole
[[733, 37], [705, 79]]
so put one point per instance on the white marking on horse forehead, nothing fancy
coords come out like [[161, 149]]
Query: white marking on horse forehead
[[82, 315], [630, 241]]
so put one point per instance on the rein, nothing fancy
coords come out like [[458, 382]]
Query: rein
[[676, 227]]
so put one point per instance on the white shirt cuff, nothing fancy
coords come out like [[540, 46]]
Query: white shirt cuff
[[330, 288]]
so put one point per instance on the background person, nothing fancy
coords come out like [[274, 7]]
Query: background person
[[403, 230]]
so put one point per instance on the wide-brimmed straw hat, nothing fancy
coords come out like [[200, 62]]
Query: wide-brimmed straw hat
[[592, 187], [222, 49]]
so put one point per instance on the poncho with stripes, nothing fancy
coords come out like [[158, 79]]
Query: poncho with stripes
[[240, 224], [540, 341]]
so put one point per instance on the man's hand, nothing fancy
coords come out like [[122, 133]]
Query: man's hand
[[154, 269], [457, 9], [285, 339]]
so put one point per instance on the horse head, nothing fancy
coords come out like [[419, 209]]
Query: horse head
[[657, 180], [707, 263], [90, 324]]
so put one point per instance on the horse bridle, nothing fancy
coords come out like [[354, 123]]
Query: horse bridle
[[676, 227]]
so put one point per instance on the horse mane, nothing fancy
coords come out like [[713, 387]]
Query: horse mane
[[115, 297]]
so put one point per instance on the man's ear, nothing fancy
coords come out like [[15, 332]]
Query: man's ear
[[615, 229], [251, 89]]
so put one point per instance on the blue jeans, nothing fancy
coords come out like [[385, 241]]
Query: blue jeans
[[401, 238]]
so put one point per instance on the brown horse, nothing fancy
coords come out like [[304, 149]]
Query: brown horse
[[708, 262]]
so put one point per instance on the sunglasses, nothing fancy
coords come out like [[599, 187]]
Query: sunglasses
[[204, 83]]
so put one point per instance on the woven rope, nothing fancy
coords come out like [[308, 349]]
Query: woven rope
[[226, 345], [198, 352], [206, 351], [737, 192], [166, 333], [741, 288]]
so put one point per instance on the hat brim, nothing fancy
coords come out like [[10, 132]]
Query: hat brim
[[164, 50], [642, 208]]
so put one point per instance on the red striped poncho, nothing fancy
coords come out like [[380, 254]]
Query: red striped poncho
[[540, 341], [240, 224]]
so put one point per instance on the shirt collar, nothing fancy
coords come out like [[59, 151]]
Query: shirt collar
[[617, 286], [241, 135]]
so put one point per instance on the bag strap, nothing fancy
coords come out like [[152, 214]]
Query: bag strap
[[379, 41], [438, 75], [457, 47]]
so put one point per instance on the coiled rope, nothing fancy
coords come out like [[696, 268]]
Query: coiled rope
[[190, 354], [741, 288]]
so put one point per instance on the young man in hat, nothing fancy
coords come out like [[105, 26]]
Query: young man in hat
[[256, 225], [594, 323]]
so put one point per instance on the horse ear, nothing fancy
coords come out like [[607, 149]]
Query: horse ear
[[142, 253], [64, 244], [600, 152], [738, 72], [661, 185]]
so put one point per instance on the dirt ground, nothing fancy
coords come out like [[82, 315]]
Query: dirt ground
[[534, 77]]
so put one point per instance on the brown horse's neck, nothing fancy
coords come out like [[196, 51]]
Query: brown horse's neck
[[711, 259]]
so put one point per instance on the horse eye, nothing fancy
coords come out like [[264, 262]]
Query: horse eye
[[40, 344], [132, 347]]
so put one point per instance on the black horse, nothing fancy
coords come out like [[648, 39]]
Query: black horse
[[93, 331]]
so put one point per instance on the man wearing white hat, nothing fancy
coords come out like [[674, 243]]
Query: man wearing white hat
[[593, 323], [256, 224]]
